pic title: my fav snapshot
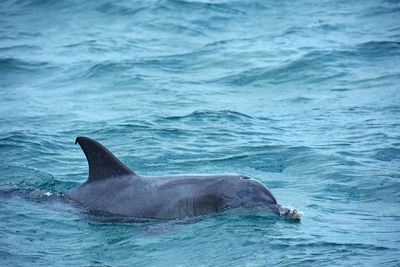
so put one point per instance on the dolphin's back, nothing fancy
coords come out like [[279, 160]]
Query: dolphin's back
[[115, 189], [120, 195], [151, 197]]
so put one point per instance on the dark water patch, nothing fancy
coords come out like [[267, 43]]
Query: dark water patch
[[379, 81], [228, 43], [21, 48], [179, 29], [92, 46], [11, 7], [86, 43], [133, 68], [12, 69], [327, 27], [106, 69], [316, 66], [31, 194], [299, 99], [189, 7], [123, 9], [388, 154], [211, 116], [312, 67], [382, 10], [346, 192], [12, 65], [31, 140], [272, 159], [340, 89], [378, 49], [32, 7], [26, 176], [129, 122], [346, 246]]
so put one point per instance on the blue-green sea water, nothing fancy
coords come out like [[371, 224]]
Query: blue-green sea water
[[301, 95]]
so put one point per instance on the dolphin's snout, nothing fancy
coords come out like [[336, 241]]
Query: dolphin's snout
[[293, 215], [290, 214]]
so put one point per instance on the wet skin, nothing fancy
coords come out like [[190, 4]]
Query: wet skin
[[115, 189]]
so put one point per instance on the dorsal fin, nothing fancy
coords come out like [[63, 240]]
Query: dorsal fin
[[102, 163]]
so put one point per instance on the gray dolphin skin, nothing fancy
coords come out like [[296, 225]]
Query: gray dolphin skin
[[114, 189]]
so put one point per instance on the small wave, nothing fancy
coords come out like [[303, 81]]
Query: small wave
[[106, 69], [266, 158], [388, 154], [130, 68], [311, 67], [11, 65], [86, 43], [377, 49], [315, 66], [381, 10], [299, 99], [382, 189], [210, 115], [19, 48], [344, 245], [198, 6], [120, 9], [132, 123], [24, 177]]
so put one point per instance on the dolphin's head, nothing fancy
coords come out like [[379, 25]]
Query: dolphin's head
[[244, 191], [251, 192]]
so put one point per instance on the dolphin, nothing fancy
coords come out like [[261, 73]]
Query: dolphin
[[114, 189]]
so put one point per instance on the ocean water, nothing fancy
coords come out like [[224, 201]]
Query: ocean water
[[301, 95]]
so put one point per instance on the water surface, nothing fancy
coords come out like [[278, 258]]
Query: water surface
[[301, 95]]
